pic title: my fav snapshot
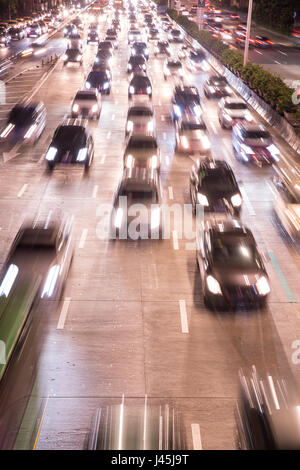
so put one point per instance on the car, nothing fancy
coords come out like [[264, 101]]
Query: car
[[16, 34], [214, 188], [106, 45], [34, 30], [140, 120], [136, 63], [216, 86], [175, 35], [100, 79], [234, 16], [286, 198], [232, 110], [92, 27], [69, 29], [142, 151], [87, 103], [252, 143], [137, 186], [185, 99], [44, 26], [75, 42], [113, 40], [183, 52], [4, 39], [140, 85], [140, 48], [197, 61], [267, 412], [232, 271], [134, 36], [153, 34], [71, 144], [73, 55], [25, 122], [162, 48], [112, 32], [191, 135], [78, 23], [104, 57], [92, 37], [36, 269], [240, 40], [173, 68], [263, 42]]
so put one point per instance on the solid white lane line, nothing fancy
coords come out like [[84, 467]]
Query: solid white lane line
[[183, 317], [175, 240], [197, 444], [95, 191], [170, 192], [22, 190], [258, 52], [213, 127], [283, 53], [83, 238], [247, 201], [63, 314], [276, 62]]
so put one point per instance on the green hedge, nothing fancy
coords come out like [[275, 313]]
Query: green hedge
[[268, 86]]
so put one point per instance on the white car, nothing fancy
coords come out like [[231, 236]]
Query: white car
[[87, 103], [286, 192], [191, 135], [142, 152], [140, 120], [232, 110], [173, 68]]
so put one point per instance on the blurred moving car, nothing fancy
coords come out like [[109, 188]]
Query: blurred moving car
[[140, 120], [173, 68], [104, 57], [263, 42], [231, 111], [232, 271], [136, 63], [25, 122], [36, 267], [34, 30], [267, 412], [213, 186], [69, 29], [186, 100], [216, 87], [4, 38], [197, 61], [71, 144], [175, 35], [87, 103], [140, 48], [162, 48], [286, 191], [92, 37], [73, 55], [100, 79], [191, 135], [75, 42], [137, 186], [252, 142], [142, 151], [17, 34], [140, 85]]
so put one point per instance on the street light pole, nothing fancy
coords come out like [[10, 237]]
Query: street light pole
[[250, 6]]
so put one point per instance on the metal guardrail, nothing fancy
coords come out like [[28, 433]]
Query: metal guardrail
[[279, 123]]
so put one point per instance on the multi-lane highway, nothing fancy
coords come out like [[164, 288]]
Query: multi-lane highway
[[132, 320]]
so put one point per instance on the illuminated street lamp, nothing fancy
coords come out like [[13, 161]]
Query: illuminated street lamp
[[250, 6]]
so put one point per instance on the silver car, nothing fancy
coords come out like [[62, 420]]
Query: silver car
[[232, 110], [191, 135], [142, 151], [87, 103], [140, 120]]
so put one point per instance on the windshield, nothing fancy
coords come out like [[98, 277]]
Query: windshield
[[138, 196], [140, 112], [234, 253], [185, 98], [85, 96], [174, 64], [69, 138], [140, 82], [98, 76], [137, 59], [256, 135], [235, 106], [142, 144], [216, 180], [192, 126], [21, 116], [218, 81]]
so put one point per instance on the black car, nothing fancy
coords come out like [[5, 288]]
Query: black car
[[112, 33], [214, 188], [73, 55], [267, 414], [25, 122], [71, 144], [70, 29], [217, 87], [140, 48], [136, 63], [100, 79], [175, 35], [105, 45], [232, 271], [17, 34], [4, 39], [162, 47], [103, 57], [140, 85], [185, 99], [92, 37]]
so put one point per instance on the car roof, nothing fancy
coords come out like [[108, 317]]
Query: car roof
[[252, 126], [87, 92], [140, 108], [142, 138], [229, 99], [230, 229]]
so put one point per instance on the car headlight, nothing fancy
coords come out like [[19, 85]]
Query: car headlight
[[154, 162], [50, 155], [148, 90], [213, 285], [274, 151], [65, 57], [177, 110], [82, 154], [227, 117], [211, 89], [202, 199], [184, 142], [144, 66], [129, 67], [131, 89], [78, 57], [197, 110], [248, 116], [94, 108], [51, 281], [87, 85], [7, 130], [105, 86], [156, 49], [133, 51], [262, 286], [150, 126], [129, 161], [65, 30], [129, 126], [30, 131], [228, 90], [75, 108], [247, 149], [146, 51], [205, 142], [236, 200]]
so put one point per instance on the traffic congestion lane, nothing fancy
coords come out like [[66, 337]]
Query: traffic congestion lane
[[128, 282]]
